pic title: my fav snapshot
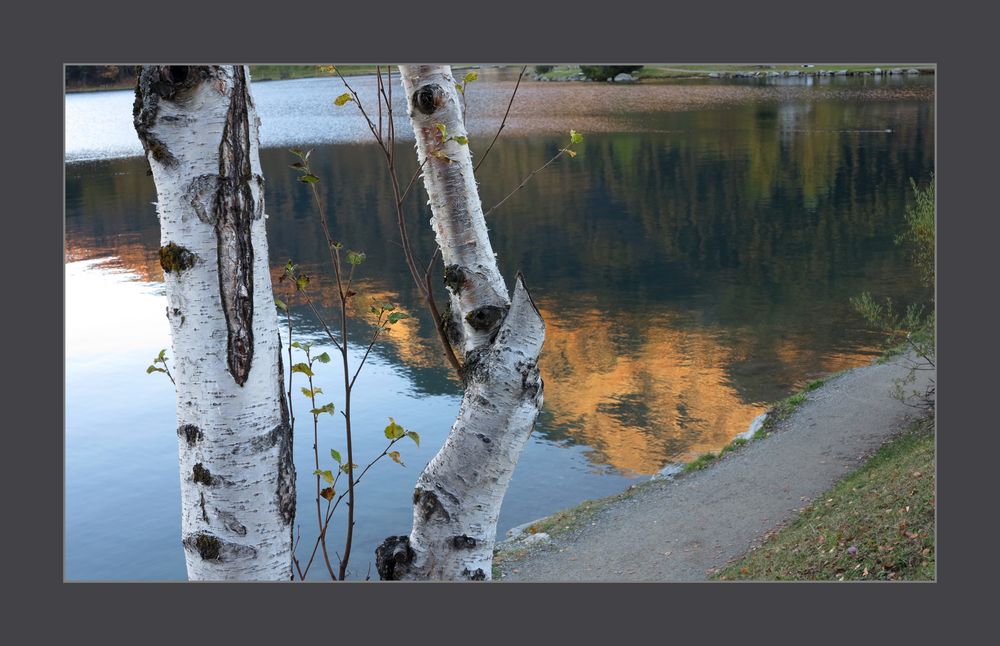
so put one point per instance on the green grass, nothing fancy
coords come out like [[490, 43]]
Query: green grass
[[875, 524], [700, 462]]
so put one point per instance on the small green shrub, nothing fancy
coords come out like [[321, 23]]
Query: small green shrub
[[605, 72]]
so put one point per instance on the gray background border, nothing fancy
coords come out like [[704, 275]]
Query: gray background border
[[41, 38]]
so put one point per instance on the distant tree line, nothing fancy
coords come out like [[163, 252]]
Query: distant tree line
[[99, 76]]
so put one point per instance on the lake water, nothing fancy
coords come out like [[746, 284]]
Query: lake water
[[694, 262]]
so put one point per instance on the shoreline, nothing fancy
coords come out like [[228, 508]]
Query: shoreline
[[656, 73], [716, 509]]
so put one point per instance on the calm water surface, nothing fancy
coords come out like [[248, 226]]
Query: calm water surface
[[693, 263]]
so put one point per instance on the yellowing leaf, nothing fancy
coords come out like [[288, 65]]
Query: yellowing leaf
[[395, 457], [575, 137], [343, 99], [470, 77], [326, 475], [394, 431], [328, 493]]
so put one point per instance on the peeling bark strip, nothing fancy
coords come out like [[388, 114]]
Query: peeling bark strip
[[237, 481], [235, 207]]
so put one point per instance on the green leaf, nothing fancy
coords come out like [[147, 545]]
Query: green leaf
[[335, 455], [413, 436], [460, 88], [308, 178], [394, 431], [461, 139], [326, 475], [395, 317], [323, 358], [298, 166], [303, 368], [150, 370], [163, 355], [470, 77], [575, 137], [395, 457], [301, 281], [280, 304], [328, 493], [326, 408], [355, 257], [343, 99], [443, 129], [295, 151]]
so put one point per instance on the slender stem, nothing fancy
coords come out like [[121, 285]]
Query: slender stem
[[331, 246], [375, 333], [504, 122], [401, 221], [449, 352], [414, 177], [350, 448], [322, 322], [526, 180], [319, 513], [378, 72], [357, 100]]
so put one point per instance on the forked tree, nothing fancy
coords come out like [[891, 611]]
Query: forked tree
[[497, 339], [199, 129]]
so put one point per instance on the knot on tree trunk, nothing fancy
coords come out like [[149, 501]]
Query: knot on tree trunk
[[392, 557]]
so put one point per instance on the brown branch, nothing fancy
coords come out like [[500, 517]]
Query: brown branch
[[502, 123], [526, 180], [449, 352]]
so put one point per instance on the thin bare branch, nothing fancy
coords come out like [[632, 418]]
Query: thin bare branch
[[526, 180], [504, 122]]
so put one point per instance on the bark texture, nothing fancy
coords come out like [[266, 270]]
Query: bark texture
[[199, 128], [457, 499]]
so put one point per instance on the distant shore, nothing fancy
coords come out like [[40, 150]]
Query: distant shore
[[572, 72], [680, 72]]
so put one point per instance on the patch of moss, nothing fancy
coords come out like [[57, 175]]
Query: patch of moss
[[175, 258]]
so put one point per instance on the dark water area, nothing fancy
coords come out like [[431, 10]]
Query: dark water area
[[693, 263]]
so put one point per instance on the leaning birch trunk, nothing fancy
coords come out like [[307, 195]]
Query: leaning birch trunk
[[457, 499], [199, 128]]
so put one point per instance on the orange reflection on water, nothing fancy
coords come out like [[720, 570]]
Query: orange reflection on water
[[660, 396], [640, 393]]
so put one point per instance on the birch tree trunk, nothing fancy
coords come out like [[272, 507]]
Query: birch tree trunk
[[457, 499], [199, 128]]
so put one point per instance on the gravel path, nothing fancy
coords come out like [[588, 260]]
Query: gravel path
[[679, 530]]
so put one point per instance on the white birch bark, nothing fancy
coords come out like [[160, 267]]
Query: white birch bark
[[199, 128], [458, 496]]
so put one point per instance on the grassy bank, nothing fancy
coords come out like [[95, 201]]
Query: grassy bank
[[875, 524]]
